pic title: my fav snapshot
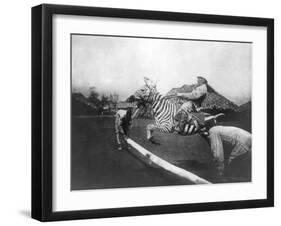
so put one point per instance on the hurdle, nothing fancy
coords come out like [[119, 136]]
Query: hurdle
[[152, 159]]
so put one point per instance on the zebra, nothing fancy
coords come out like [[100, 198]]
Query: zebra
[[164, 110]]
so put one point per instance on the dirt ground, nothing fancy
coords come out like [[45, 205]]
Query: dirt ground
[[96, 163]]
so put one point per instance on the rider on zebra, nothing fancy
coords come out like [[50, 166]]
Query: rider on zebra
[[189, 112], [170, 114]]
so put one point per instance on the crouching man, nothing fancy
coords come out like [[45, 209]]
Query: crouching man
[[239, 139], [123, 125], [188, 121]]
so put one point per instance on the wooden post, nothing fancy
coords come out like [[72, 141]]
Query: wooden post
[[161, 163]]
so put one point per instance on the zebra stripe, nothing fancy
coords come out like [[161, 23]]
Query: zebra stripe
[[164, 112]]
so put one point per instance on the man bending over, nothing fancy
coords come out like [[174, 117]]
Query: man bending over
[[123, 125]]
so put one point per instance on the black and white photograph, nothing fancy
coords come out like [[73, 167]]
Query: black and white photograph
[[141, 112], [157, 111]]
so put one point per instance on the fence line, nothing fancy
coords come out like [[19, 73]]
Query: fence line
[[152, 159]]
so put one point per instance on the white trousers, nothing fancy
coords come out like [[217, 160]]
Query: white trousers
[[240, 140]]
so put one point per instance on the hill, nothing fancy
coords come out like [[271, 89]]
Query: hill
[[213, 101]]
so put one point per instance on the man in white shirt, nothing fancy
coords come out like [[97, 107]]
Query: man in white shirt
[[190, 106], [198, 93], [239, 139], [123, 125]]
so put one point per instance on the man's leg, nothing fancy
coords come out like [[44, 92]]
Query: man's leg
[[238, 150], [117, 131], [240, 139], [217, 148], [243, 144], [125, 136], [119, 141]]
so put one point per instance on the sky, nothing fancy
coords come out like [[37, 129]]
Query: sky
[[119, 64]]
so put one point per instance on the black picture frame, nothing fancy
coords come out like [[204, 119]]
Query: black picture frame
[[42, 107]]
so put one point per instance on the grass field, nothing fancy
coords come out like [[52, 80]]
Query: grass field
[[96, 163]]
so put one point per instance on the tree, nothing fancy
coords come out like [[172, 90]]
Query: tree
[[104, 100], [94, 98]]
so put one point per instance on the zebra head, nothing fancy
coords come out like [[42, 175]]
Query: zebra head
[[146, 92]]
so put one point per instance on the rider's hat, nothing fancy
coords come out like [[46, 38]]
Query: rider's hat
[[202, 79]]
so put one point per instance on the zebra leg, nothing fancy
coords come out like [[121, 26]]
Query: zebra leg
[[149, 130]]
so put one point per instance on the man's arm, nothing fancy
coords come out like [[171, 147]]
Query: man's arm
[[195, 94]]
